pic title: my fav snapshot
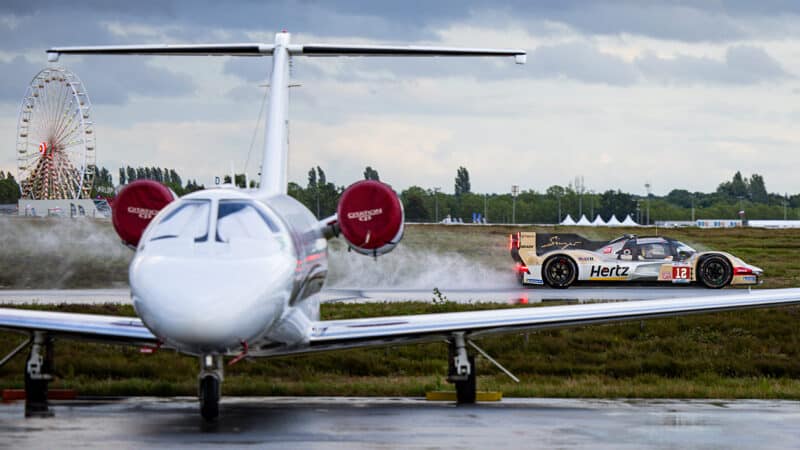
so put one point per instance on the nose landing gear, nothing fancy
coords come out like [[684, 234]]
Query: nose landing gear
[[210, 386]]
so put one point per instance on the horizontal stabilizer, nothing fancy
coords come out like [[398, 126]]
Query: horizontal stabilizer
[[251, 49], [384, 50], [256, 49]]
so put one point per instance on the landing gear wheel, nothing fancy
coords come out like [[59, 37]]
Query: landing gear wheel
[[560, 272], [714, 272], [36, 404], [38, 368], [466, 389], [209, 398]]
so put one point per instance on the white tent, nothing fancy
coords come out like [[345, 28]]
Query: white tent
[[613, 221], [628, 222], [598, 221], [568, 220], [584, 222]]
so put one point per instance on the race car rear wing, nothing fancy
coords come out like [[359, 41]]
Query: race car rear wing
[[548, 242]]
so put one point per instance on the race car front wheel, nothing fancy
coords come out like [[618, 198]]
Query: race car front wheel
[[560, 272], [714, 272]]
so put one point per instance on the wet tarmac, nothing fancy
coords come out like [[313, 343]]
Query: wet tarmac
[[351, 423], [466, 295]]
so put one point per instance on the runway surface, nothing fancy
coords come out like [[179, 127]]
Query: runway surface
[[500, 294], [348, 423]]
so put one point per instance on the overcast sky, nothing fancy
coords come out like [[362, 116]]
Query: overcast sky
[[680, 94]]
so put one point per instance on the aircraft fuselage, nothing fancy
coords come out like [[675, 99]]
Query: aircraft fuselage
[[221, 270]]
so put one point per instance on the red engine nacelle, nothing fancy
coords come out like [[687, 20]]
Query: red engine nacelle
[[135, 206], [370, 217]]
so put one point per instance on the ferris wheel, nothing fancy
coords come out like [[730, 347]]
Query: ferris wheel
[[55, 138]]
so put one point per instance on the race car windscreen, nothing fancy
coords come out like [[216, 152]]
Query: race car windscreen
[[684, 250]]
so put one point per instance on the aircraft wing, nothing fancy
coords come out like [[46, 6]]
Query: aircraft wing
[[398, 330], [109, 329], [330, 335]]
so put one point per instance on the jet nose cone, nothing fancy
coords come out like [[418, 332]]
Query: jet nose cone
[[209, 304]]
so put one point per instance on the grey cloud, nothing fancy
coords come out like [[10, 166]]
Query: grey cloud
[[195, 21], [109, 80], [581, 62], [141, 8], [752, 65], [17, 74], [742, 65], [185, 21], [114, 80], [659, 20], [249, 69], [41, 31], [412, 20]]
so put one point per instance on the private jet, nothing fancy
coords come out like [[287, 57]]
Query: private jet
[[228, 273]]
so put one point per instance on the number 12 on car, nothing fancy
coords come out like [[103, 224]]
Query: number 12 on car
[[681, 274]]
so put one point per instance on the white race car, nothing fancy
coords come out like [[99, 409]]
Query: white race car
[[560, 260]]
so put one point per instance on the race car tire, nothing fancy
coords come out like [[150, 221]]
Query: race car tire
[[560, 271], [714, 272]]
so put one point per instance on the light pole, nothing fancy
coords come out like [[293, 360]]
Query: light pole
[[514, 193], [485, 214], [591, 193], [647, 187], [316, 190], [558, 196], [785, 202], [692, 207], [436, 202], [639, 211]]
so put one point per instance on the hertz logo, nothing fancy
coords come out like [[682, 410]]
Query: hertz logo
[[143, 213], [601, 271], [366, 215]]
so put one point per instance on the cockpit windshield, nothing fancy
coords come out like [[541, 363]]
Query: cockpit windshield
[[241, 219], [684, 250], [189, 220]]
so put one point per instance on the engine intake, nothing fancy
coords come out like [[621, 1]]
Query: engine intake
[[370, 217], [135, 206]]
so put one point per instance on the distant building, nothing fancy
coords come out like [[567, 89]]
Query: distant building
[[94, 208], [719, 223]]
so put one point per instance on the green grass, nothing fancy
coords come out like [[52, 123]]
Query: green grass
[[747, 354]]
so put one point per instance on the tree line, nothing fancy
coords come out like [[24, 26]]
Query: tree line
[[9, 188], [321, 196], [168, 177]]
